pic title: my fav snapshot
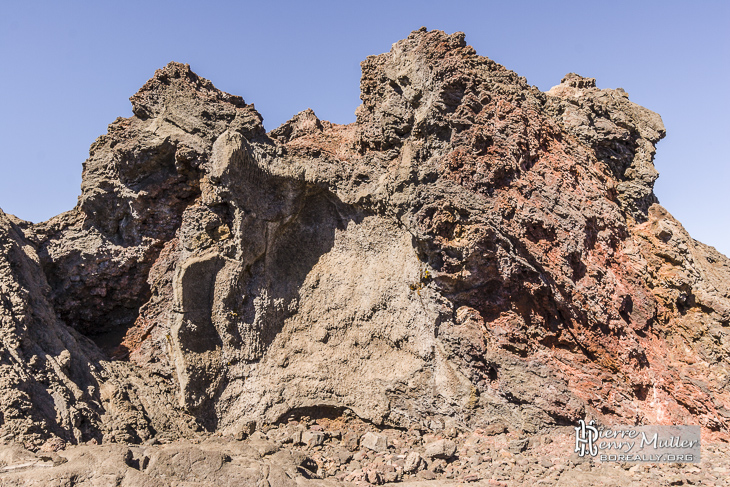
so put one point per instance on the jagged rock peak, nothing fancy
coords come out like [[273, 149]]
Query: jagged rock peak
[[176, 78], [578, 81]]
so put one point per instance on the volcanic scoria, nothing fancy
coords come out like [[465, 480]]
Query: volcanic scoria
[[472, 256]]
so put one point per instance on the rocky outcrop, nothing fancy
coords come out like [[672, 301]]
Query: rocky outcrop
[[47, 371], [58, 387], [470, 251]]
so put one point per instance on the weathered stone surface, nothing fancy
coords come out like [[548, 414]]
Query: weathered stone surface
[[413, 463], [57, 385], [440, 449], [217, 460], [375, 442], [313, 438], [351, 440], [470, 252]]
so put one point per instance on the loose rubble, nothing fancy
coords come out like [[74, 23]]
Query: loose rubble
[[279, 455]]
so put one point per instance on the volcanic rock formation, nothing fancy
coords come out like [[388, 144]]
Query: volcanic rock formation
[[470, 251]]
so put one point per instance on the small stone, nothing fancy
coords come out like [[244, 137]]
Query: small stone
[[504, 453], [494, 429], [518, 446], [258, 435], [375, 442], [430, 438], [343, 456], [426, 475], [351, 440], [436, 425], [440, 449], [55, 459], [437, 466], [296, 437], [53, 444], [451, 432], [313, 438], [374, 477], [413, 463], [392, 475], [355, 476]]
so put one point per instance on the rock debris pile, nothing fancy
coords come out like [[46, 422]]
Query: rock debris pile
[[348, 452]]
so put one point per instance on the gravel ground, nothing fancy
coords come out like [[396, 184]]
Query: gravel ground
[[347, 452]]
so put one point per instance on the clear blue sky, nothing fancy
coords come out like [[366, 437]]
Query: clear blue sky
[[68, 69]]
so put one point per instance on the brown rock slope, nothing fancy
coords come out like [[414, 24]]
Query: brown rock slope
[[470, 251]]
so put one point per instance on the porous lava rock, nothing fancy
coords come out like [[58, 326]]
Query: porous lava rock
[[470, 252]]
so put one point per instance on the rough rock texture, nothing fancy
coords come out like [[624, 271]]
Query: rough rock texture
[[471, 251], [58, 387], [272, 459]]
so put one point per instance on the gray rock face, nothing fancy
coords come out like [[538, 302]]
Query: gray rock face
[[470, 253], [46, 370], [58, 386]]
